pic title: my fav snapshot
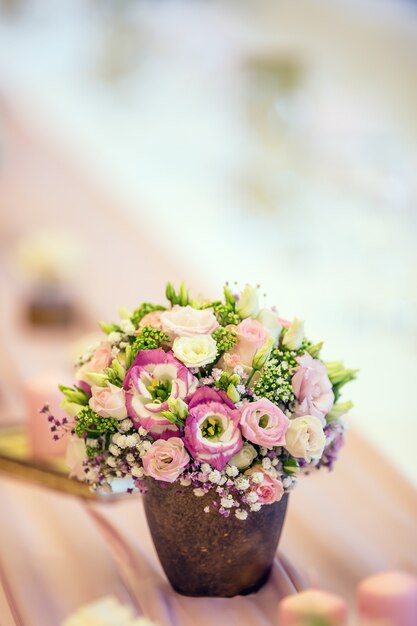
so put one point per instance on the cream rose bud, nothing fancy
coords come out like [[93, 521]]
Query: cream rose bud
[[248, 305], [244, 457], [185, 321], [305, 438], [195, 351], [294, 336], [270, 322], [108, 401]]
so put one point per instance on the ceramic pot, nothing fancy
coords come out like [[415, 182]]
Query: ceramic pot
[[206, 554]]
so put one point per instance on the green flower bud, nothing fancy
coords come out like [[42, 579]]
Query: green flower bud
[[233, 393], [234, 379], [178, 407], [107, 328], [263, 354], [228, 296], [71, 408], [338, 373], [97, 379], [224, 378], [128, 356], [170, 294], [338, 410], [74, 395], [124, 314], [170, 416], [183, 295], [314, 351], [118, 369]]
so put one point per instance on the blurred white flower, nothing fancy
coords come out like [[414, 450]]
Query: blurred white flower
[[107, 611]]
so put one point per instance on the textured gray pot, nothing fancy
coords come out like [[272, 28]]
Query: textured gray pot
[[205, 554]]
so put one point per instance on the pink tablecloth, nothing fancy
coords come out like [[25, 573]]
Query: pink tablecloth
[[58, 553]]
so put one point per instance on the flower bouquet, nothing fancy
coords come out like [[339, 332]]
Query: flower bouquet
[[212, 409]]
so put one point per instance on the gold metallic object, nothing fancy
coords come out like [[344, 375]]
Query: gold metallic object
[[16, 462]]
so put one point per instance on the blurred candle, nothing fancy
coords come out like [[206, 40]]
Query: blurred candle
[[41, 390], [389, 597], [313, 604]]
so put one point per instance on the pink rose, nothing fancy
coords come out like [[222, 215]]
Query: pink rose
[[154, 378], [212, 433], [312, 387], [264, 423], [251, 336], [100, 360], [230, 361], [269, 489], [151, 319], [166, 459], [108, 401]]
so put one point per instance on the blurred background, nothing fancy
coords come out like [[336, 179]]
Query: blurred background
[[265, 142]]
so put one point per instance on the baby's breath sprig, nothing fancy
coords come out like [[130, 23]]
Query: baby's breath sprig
[[149, 338], [274, 383]]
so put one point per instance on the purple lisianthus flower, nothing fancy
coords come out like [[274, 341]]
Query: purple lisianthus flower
[[154, 377], [212, 432]]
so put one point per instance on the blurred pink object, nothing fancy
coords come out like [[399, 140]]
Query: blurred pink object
[[41, 390], [389, 597], [312, 604]]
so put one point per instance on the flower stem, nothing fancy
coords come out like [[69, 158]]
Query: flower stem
[[251, 376]]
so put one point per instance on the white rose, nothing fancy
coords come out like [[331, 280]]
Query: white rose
[[108, 401], [269, 321], [248, 305], [305, 438], [294, 336], [185, 321], [195, 351], [75, 456], [244, 457]]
